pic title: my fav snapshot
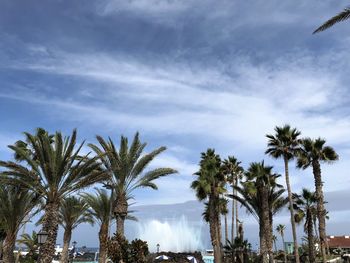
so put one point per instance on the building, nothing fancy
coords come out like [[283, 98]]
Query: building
[[339, 243], [289, 247]]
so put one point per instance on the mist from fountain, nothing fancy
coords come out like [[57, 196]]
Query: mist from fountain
[[175, 235]]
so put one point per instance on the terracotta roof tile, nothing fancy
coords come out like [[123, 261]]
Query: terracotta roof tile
[[339, 241]]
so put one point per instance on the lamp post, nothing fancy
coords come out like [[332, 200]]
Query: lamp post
[[158, 246], [42, 237]]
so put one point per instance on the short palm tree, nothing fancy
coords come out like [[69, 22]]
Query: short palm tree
[[285, 143], [127, 171], [342, 16], [312, 154], [73, 212], [50, 167], [280, 229], [210, 186], [16, 204], [233, 171], [30, 242], [304, 206], [274, 239], [100, 207], [263, 198]]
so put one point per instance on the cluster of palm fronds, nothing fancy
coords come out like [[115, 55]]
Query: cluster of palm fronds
[[48, 169]]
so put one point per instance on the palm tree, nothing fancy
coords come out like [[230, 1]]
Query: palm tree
[[233, 170], [210, 185], [342, 16], [285, 144], [100, 207], [304, 206], [280, 229], [30, 241], [51, 169], [312, 154], [15, 205], [126, 168], [274, 239], [263, 198], [73, 212]]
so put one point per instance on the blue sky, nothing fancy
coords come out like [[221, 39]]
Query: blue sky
[[185, 74]]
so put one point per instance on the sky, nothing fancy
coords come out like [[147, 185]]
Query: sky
[[186, 74]]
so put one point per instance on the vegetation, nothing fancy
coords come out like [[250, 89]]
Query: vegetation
[[126, 169], [16, 205], [342, 16], [73, 212], [305, 207], [233, 171], [120, 250], [285, 143], [51, 169], [100, 207], [210, 185], [314, 152], [280, 229]]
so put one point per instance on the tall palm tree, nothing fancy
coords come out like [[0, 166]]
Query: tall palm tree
[[342, 16], [100, 207], [263, 198], [280, 229], [285, 143], [30, 241], [312, 154], [126, 168], [16, 204], [51, 169], [210, 185], [274, 239], [234, 171], [73, 212], [304, 205]]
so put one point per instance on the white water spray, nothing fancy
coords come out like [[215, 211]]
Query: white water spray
[[175, 236]]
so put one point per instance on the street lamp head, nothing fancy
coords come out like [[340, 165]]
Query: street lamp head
[[42, 237]]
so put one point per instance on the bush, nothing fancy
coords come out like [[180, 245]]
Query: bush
[[118, 248]]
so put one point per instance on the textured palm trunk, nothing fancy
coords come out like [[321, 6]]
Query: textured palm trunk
[[264, 225], [263, 246], [66, 240], [284, 249], [9, 246], [236, 209], [214, 227], [272, 242], [120, 212], [50, 225], [320, 208], [226, 229], [310, 236], [295, 239], [103, 237], [233, 217]]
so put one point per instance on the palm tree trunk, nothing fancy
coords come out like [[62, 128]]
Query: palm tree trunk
[[233, 217], [310, 237], [236, 209], [50, 225], [284, 249], [66, 240], [226, 229], [295, 239], [320, 208], [121, 211], [120, 225], [265, 229], [9, 247], [103, 237], [214, 227]]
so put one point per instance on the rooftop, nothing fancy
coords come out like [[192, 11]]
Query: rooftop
[[339, 241]]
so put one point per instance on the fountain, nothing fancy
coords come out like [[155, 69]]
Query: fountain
[[176, 235]]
